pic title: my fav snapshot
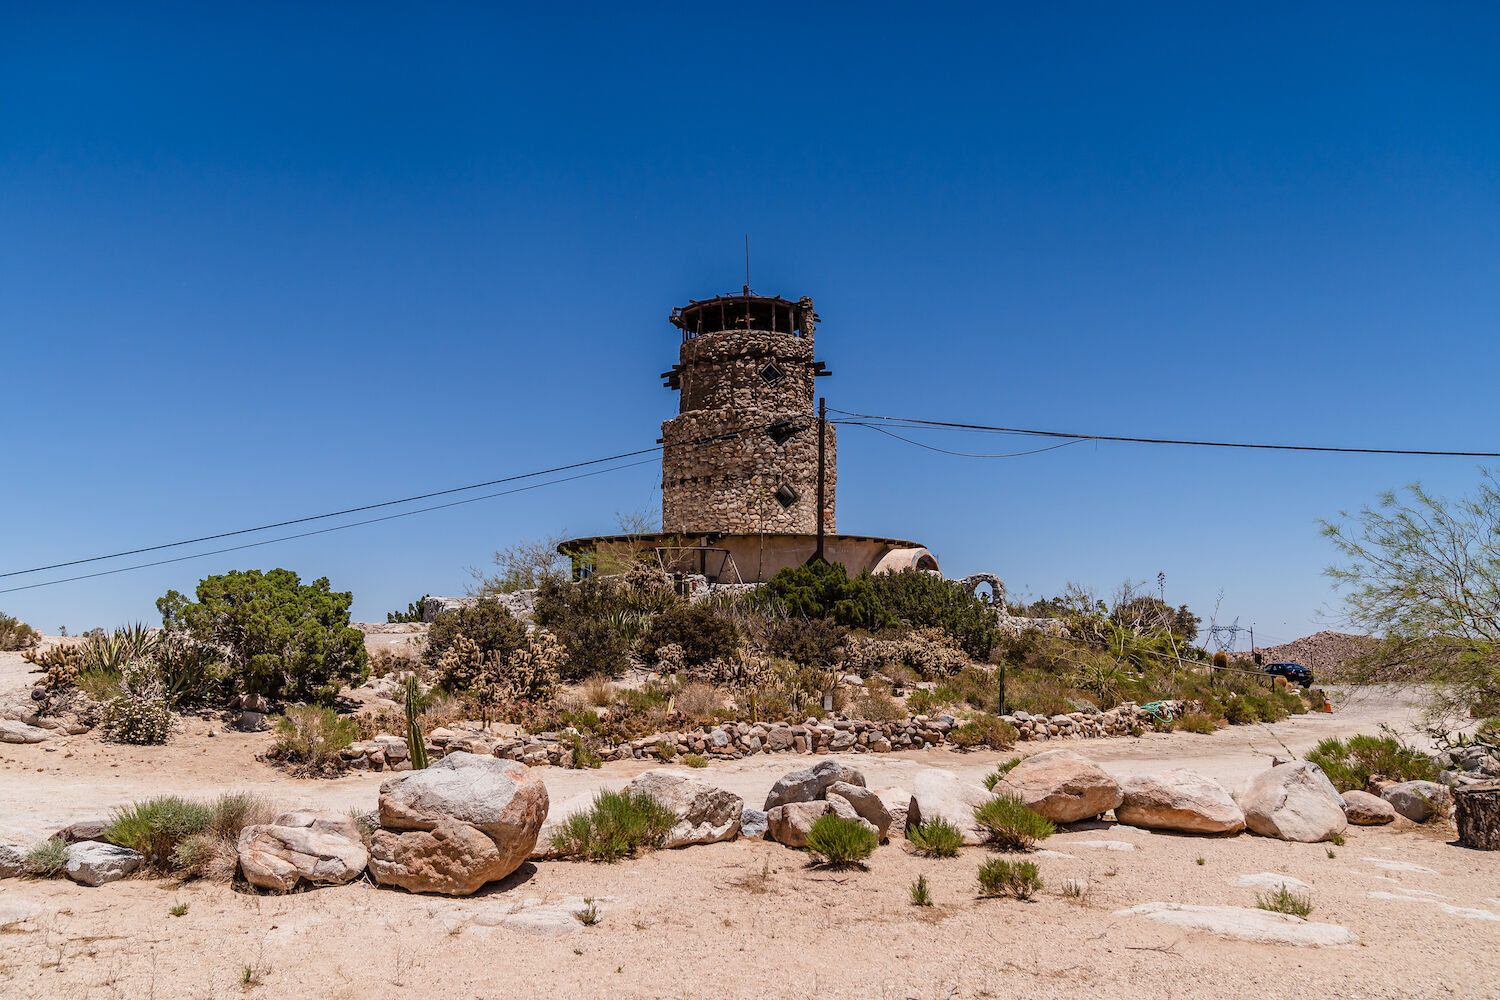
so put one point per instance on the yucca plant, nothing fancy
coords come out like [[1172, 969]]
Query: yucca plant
[[414, 743]]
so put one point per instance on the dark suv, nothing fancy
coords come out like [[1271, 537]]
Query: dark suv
[[1296, 673]]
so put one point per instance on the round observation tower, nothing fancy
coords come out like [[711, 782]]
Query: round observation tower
[[741, 456]]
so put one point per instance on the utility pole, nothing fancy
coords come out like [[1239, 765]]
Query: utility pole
[[822, 444]]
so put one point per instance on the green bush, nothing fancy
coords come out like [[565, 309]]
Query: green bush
[[279, 637], [702, 634], [485, 626], [1284, 900], [140, 713], [16, 634], [583, 755], [49, 859], [1197, 722], [983, 731], [999, 877], [814, 642], [926, 600], [840, 842], [616, 826], [695, 760], [413, 612], [824, 590], [1011, 825], [309, 737], [936, 838], [1349, 764], [156, 827], [594, 621], [1001, 770]]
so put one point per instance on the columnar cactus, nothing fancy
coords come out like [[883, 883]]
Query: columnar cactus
[[415, 747]]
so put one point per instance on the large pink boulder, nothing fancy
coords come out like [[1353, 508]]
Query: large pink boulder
[[1062, 785]]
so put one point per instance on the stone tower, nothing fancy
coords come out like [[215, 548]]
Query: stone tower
[[741, 456]]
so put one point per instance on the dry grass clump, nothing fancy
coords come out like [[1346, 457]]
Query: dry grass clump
[[49, 859], [840, 842], [310, 737], [1284, 900], [616, 826], [936, 838], [1019, 879], [877, 705], [698, 700]]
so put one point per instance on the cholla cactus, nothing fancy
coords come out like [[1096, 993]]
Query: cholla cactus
[[461, 667], [533, 671], [669, 658]]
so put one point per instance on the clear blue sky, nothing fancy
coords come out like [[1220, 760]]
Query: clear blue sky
[[275, 261]]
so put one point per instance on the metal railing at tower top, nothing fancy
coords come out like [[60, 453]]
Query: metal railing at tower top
[[746, 311]]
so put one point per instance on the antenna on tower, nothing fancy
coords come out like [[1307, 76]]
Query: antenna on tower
[[747, 263]]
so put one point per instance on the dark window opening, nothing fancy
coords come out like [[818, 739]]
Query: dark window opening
[[771, 374], [785, 495]]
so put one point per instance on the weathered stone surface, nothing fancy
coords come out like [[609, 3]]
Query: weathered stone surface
[[451, 858], [94, 863], [844, 809], [753, 823], [1062, 786], [14, 911], [557, 815], [12, 860], [705, 814], [12, 731], [938, 794], [866, 803], [896, 800], [1292, 802], [501, 798], [76, 833], [1364, 809], [1419, 801], [810, 783], [302, 846], [788, 824], [1244, 924], [1178, 799]]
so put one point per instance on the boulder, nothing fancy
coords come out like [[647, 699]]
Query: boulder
[[557, 815], [12, 731], [250, 722], [500, 798], [866, 804], [321, 848], [937, 794], [811, 783], [94, 863], [896, 800], [12, 860], [1178, 799], [1063, 786], [451, 858], [842, 808], [705, 814], [1419, 801], [789, 824], [753, 823], [1292, 802], [76, 833], [1364, 809]]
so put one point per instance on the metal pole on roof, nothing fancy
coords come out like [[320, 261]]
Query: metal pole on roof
[[822, 444]]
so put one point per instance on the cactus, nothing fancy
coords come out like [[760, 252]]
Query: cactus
[[415, 746]]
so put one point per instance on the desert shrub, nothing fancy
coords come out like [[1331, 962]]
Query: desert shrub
[[99, 685], [156, 827], [1011, 825], [278, 637], [309, 737], [1284, 900], [413, 612], [1001, 770], [973, 686], [926, 600], [1197, 722], [1350, 763], [49, 859], [191, 673], [921, 895], [698, 700], [140, 712], [486, 626], [665, 750], [810, 641], [999, 877], [840, 842], [824, 590], [983, 731], [583, 755], [599, 690], [594, 620], [16, 634], [617, 825], [927, 652], [878, 706], [924, 702], [703, 635], [694, 760], [935, 838]]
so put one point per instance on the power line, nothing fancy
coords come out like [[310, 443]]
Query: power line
[[945, 451], [916, 422], [321, 531]]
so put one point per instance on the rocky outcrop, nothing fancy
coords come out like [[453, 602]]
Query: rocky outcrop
[[1419, 801], [1178, 799], [811, 783], [705, 814], [12, 731], [937, 794], [318, 848], [1294, 801], [1364, 809], [94, 863], [789, 824], [1062, 786]]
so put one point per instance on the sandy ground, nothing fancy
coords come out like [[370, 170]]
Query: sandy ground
[[751, 919]]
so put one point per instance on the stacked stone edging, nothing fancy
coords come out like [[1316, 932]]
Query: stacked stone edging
[[734, 740]]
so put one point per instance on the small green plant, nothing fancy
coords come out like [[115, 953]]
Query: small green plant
[[616, 826], [920, 894], [1350, 763], [1202, 860], [1075, 888], [695, 760], [1337, 839], [936, 838], [157, 827], [840, 842], [984, 730], [1011, 825], [1284, 900], [583, 754], [665, 750], [589, 915], [309, 737], [251, 976], [1001, 770], [1331, 854], [49, 859], [1197, 722], [180, 910], [416, 745], [999, 877]]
